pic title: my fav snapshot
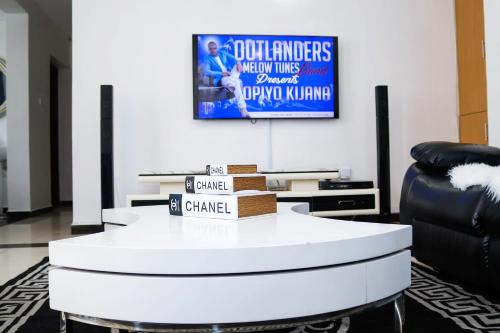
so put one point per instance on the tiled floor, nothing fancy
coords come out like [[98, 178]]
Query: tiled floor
[[24, 243]]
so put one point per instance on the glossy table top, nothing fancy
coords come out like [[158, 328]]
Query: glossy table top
[[153, 242]]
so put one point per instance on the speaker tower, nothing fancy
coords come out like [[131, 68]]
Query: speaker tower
[[383, 156], [107, 180]]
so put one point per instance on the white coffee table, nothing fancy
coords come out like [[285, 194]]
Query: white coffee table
[[172, 274]]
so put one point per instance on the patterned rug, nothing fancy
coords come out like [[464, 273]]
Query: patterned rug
[[23, 296], [433, 304]]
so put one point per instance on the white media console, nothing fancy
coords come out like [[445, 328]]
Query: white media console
[[296, 186]]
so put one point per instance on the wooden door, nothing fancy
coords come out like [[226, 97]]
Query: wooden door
[[471, 71]]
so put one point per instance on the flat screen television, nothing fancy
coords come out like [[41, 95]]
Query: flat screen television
[[262, 76]]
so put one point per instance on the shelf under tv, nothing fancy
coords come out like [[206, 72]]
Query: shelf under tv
[[296, 180], [301, 186]]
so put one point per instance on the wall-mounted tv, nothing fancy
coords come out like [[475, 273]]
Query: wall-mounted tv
[[261, 76]]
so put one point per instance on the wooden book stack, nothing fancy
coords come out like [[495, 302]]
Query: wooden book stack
[[226, 192]]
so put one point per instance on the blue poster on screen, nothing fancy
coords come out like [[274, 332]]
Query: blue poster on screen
[[247, 76]]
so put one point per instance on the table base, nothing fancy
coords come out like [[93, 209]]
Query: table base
[[397, 299]]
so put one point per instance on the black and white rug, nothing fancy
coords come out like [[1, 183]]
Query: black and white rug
[[433, 304]]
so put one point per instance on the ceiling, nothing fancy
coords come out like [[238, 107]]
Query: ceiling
[[59, 11]]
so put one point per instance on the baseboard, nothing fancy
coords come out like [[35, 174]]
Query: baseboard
[[86, 229], [17, 216]]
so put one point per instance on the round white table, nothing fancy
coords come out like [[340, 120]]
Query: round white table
[[154, 272]]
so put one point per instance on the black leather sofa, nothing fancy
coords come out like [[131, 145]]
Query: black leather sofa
[[455, 232]]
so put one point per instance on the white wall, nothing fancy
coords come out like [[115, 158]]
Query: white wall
[[492, 41], [46, 42], [65, 153], [144, 50], [3, 54], [18, 156], [33, 41], [3, 119]]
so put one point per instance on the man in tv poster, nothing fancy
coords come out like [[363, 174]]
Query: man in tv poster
[[225, 70]]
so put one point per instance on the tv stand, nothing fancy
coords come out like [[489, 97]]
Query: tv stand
[[295, 186]]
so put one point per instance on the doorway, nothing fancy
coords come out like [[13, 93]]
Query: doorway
[[54, 135]]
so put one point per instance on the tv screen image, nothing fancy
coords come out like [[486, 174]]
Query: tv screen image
[[260, 76]]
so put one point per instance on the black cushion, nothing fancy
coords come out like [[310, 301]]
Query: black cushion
[[449, 251], [431, 198], [445, 155], [488, 215]]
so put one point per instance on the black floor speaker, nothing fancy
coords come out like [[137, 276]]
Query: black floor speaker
[[383, 155], [107, 177]]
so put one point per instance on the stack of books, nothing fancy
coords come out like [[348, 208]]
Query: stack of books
[[226, 192]]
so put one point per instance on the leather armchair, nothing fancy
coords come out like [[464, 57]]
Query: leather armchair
[[455, 232]]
